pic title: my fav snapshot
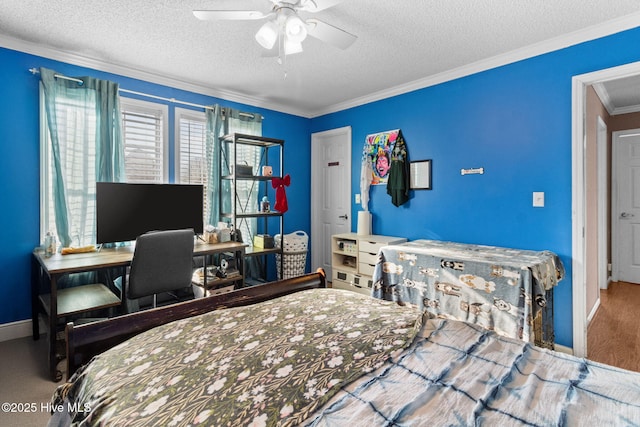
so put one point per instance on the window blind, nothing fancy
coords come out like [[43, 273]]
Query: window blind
[[143, 134], [192, 151], [193, 156]]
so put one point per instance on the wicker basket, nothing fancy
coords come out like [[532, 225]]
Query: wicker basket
[[294, 264]]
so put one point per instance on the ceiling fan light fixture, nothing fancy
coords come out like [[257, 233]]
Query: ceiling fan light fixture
[[267, 35], [291, 47], [295, 29]]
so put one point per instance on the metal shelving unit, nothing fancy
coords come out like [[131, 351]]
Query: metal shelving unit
[[239, 211]]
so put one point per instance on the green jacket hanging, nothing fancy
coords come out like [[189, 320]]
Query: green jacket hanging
[[398, 182]]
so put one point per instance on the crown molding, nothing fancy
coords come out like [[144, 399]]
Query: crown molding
[[626, 110], [148, 76], [605, 99], [591, 33]]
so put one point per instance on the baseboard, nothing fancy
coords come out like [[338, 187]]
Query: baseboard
[[15, 330], [606, 285], [563, 349], [593, 311]]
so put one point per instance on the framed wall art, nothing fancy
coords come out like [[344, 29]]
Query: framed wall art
[[420, 175], [377, 151]]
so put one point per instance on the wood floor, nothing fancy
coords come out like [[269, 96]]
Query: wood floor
[[613, 336]]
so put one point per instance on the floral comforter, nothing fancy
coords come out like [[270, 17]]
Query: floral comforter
[[272, 363]]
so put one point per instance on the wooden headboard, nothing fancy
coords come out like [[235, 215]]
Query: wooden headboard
[[87, 340]]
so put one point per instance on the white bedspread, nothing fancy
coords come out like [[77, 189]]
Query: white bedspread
[[459, 374]]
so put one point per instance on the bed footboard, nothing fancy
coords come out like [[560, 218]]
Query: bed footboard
[[87, 340]]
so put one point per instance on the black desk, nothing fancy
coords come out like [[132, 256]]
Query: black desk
[[79, 299]]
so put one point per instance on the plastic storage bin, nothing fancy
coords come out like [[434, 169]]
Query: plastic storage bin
[[293, 259]]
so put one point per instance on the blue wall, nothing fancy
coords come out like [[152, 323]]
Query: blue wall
[[515, 122], [19, 165]]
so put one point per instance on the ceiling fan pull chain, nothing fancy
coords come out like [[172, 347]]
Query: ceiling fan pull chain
[[282, 54]]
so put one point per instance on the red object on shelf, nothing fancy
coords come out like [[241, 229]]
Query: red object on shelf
[[281, 196]]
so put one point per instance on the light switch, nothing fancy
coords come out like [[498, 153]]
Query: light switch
[[358, 198], [538, 199]]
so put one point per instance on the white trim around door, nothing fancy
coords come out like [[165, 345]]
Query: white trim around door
[[333, 146], [578, 191]]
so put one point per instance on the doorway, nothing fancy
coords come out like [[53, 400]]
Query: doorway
[[625, 206], [582, 236], [330, 192]]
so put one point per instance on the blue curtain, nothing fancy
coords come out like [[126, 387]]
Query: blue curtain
[[109, 140], [223, 121], [214, 131], [220, 122], [84, 124]]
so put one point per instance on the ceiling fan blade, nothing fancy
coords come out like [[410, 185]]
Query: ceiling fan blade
[[234, 15], [318, 5], [330, 34]]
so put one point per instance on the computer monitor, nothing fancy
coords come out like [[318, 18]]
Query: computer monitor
[[124, 211]]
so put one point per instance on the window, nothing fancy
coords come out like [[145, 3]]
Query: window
[[191, 150], [146, 156], [76, 123], [247, 190], [191, 154], [144, 132], [145, 145]]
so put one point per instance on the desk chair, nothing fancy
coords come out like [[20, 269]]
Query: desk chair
[[162, 262]]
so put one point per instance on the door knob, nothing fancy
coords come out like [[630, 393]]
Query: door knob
[[626, 215], [345, 216]]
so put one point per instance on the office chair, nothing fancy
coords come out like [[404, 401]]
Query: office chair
[[162, 262]]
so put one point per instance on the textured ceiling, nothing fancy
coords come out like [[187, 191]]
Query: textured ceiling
[[401, 44], [620, 96]]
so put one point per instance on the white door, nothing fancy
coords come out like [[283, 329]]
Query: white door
[[626, 214], [603, 210], [330, 192]]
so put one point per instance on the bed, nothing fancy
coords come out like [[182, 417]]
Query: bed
[[316, 356], [506, 290]]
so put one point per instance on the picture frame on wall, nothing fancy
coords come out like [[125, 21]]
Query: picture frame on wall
[[420, 175]]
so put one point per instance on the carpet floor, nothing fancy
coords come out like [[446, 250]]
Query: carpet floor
[[25, 385]]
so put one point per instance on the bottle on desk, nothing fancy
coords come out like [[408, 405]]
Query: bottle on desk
[[49, 245]]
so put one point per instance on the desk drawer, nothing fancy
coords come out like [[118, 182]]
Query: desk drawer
[[366, 269], [368, 257], [342, 276], [372, 244], [353, 287], [362, 282], [371, 247]]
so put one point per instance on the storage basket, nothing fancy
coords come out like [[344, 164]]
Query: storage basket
[[293, 242], [243, 170], [293, 259]]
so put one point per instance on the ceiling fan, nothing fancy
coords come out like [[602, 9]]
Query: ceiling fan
[[285, 26]]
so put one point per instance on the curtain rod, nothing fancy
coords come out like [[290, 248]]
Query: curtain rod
[[35, 71]]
